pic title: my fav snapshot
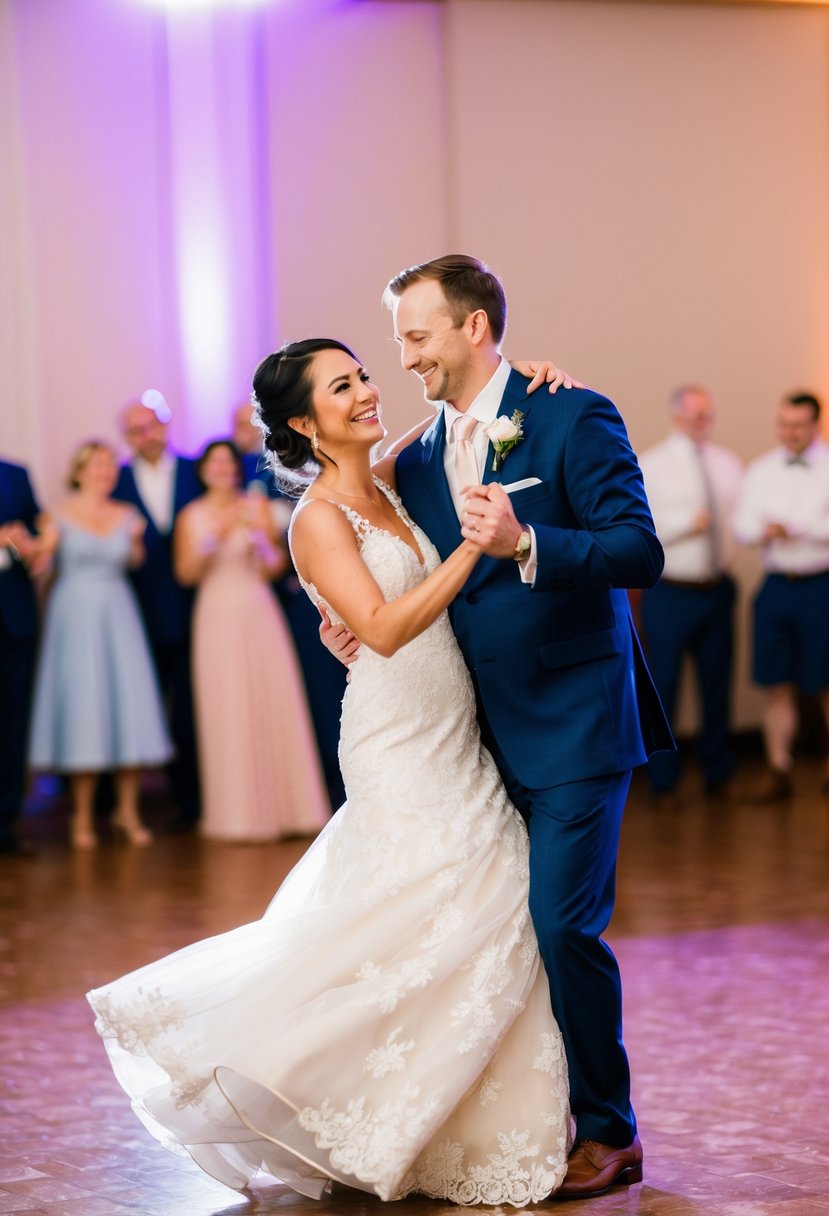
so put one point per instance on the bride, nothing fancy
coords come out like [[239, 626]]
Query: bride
[[387, 1023]]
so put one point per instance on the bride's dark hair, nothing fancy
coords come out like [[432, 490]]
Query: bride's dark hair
[[282, 390]]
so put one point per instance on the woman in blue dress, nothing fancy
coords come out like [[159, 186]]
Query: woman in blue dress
[[97, 707]]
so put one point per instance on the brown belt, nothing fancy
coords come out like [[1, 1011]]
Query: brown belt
[[702, 584], [793, 577]]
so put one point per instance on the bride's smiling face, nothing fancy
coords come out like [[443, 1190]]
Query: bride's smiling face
[[345, 402]]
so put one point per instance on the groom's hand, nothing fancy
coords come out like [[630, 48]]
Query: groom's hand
[[489, 521], [339, 640]]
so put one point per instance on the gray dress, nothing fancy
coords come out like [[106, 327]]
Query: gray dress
[[97, 704]]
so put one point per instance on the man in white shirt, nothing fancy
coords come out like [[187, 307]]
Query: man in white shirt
[[784, 508], [160, 483], [692, 487]]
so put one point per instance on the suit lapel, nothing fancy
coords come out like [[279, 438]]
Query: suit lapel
[[6, 504], [177, 489], [441, 507], [514, 398]]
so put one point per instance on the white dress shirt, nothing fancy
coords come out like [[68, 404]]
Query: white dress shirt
[[795, 495], [485, 409], [156, 485], [682, 479]]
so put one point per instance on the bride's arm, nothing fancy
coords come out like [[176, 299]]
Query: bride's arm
[[326, 554], [542, 371]]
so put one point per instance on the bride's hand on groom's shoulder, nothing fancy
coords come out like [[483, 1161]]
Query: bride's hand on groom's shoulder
[[545, 372], [338, 640]]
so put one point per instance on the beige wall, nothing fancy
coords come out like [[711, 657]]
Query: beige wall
[[660, 206], [651, 181]]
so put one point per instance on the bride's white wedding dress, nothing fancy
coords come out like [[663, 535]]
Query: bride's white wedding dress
[[387, 1022]]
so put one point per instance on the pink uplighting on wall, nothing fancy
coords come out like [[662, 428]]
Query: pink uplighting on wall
[[215, 136], [229, 4]]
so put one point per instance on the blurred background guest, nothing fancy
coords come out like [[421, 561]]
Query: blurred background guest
[[159, 482], [784, 508], [248, 442], [692, 487], [97, 706], [261, 775], [325, 678], [18, 641]]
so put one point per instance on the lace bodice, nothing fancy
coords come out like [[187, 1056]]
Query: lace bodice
[[393, 563], [431, 663]]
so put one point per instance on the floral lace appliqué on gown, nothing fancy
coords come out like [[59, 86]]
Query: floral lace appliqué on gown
[[387, 1022]]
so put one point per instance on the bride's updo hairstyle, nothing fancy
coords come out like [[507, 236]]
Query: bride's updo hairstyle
[[282, 390]]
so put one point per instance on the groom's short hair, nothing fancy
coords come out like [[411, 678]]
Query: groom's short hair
[[467, 285]]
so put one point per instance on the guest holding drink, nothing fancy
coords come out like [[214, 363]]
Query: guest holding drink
[[260, 770], [324, 676]]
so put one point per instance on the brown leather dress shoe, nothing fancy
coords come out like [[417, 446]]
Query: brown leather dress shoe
[[594, 1168], [776, 786]]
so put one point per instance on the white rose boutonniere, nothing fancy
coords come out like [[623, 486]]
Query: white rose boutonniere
[[504, 434]]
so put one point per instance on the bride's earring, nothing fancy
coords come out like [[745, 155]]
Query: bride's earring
[[315, 443]]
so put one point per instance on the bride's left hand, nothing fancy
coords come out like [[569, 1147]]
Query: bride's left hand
[[543, 371]]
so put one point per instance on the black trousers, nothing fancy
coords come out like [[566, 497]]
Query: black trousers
[[17, 667], [172, 661], [697, 621]]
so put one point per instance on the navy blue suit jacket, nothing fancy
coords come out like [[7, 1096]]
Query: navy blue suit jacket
[[18, 608], [165, 604], [558, 666]]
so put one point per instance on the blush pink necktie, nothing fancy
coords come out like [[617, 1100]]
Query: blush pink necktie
[[463, 456]]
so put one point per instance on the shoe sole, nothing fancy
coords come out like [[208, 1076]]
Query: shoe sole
[[627, 1177]]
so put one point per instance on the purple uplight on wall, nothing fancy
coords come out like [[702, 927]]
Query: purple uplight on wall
[[181, 4], [214, 138]]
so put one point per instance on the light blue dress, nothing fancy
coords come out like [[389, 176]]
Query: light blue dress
[[96, 705]]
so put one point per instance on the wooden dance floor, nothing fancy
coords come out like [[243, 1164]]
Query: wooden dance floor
[[722, 930]]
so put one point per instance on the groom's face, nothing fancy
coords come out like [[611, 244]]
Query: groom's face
[[432, 345]]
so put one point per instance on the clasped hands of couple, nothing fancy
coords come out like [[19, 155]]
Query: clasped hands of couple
[[488, 520]]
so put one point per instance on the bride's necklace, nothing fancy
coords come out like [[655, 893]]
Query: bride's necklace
[[361, 497]]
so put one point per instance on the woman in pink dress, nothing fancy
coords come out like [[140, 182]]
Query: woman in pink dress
[[260, 770]]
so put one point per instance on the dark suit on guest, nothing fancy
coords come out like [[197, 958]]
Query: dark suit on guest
[[565, 699], [324, 676], [18, 643], [167, 607]]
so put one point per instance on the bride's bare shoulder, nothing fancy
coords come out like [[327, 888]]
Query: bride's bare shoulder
[[314, 515]]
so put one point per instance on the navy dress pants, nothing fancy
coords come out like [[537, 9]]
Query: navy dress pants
[[574, 838], [172, 662], [697, 621]]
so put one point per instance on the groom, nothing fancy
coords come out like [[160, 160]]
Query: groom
[[565, 700]]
